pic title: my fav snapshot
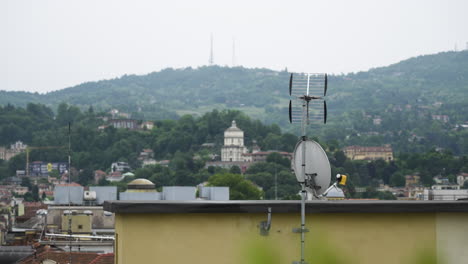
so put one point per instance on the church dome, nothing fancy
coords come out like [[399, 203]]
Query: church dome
[[233, 127], [141, 184]]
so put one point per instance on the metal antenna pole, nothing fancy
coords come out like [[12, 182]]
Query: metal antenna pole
[[305, 89], [303, 190], [276, 185], [276, 175], [69, 198]]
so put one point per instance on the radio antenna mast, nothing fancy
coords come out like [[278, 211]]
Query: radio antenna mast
[[233, 52], [307, 106], [211, 60]]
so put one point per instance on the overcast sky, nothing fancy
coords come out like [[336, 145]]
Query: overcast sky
[[51, 45]]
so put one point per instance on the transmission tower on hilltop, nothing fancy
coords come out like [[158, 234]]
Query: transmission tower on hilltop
[[211, 60], [233, 52]]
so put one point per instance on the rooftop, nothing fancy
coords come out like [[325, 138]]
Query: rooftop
[[292, 206]]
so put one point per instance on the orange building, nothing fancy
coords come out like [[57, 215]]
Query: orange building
[[369, 153]]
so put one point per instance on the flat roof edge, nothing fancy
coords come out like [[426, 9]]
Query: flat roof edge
[[261, 206]]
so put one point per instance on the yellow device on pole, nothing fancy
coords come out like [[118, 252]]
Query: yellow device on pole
[[342, 180]]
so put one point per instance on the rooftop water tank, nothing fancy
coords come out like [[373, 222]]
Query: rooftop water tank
[[89, 195]]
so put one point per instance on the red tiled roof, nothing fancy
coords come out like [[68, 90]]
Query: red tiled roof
[[269, 152], [60, 257], [368, 149], [30, 209], [33, 204], [115, 174], [69, 184], [104, 259], [100, 172]]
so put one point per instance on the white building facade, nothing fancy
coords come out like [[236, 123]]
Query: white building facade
[[233, 148]]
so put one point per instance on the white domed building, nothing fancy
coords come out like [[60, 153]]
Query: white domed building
[[233, 149]]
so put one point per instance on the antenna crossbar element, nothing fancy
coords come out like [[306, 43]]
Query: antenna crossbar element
[[308, 104], [309, 84], [315, 111]]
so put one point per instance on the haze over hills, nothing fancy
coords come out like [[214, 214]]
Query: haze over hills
[[404, 96]]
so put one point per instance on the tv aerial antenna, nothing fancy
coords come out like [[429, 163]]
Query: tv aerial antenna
[[310, 162], [308, 106]]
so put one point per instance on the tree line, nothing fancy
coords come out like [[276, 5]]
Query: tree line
[[180, 141]]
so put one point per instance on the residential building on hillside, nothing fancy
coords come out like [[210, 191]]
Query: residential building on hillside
[[146, 154], [164, 163], [148, 125], [377, 121], [120, 166], [243, 165], [462, 178], [15, 149], [369, 153], [124, 123], [40, 168], [146, 157], [261, 156], [412, 180], [118, 176], [255, 147], [208, 145], [443, 118], [18, 146], [98, 175]]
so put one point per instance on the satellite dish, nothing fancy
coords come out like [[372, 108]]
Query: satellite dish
[[316, 166]]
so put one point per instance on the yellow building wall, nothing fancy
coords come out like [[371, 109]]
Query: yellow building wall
[[20, 209], [366, 238], [79, 223], [452, 237]]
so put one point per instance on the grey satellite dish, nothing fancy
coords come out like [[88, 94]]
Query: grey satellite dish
[[317, 166]]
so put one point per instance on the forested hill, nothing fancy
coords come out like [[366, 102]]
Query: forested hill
[[415, 105], [170, 92], [422, 80], [261, 93]]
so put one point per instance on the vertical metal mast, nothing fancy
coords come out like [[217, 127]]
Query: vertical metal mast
[[304, 124], [70, 239], [304, 89], [211, 60], [233, 52]]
